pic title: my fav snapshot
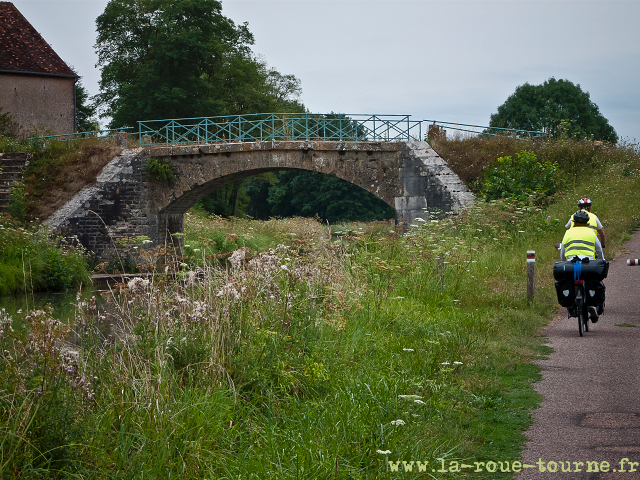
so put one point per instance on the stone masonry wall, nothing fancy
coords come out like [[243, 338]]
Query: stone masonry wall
[[116, 207], [39, 103], [428, 184]]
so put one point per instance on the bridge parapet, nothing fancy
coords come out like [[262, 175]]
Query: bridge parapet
[[315, 145]]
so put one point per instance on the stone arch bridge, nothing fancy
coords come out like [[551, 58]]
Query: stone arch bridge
[[126, 202]]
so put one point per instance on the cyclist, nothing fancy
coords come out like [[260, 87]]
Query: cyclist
[[584, 204], [582, 242]]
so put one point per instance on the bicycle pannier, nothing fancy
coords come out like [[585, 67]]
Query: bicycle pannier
[[594, 291], [566, 292]]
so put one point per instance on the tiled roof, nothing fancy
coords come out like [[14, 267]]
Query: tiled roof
[[22, 49]]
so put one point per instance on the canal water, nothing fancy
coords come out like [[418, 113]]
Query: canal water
[[63, 303]]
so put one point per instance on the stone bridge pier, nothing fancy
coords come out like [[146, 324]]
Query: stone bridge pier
[[126, 202]]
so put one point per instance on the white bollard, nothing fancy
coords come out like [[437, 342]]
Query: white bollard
[[633, 261]]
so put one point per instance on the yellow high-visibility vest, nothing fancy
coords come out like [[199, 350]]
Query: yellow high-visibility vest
[[593, 223], [579, 241]]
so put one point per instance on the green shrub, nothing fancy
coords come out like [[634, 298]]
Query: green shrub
[[519, 177], [160, 170], [17, 207], [31, 260]]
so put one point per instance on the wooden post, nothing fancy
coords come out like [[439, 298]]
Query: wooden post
[[531, 274]]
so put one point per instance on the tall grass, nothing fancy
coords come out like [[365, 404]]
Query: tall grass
[[291, 349]]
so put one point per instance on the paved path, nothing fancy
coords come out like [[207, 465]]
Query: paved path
[[591, 387]]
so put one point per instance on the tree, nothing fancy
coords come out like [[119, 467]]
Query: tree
[[164, 59], [558, 107], [85, 111], [305, 193], [8, 126]]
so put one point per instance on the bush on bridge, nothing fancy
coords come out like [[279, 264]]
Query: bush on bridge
[[160, 170]]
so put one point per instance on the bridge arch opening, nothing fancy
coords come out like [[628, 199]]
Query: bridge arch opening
[[295, 192]]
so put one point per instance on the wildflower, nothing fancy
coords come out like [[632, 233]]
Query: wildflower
[[237, 257], [445, 363], [383, 452], [398, 422], [407, 349], [137, 284], [457, 363], [520, 231], [419, 402]]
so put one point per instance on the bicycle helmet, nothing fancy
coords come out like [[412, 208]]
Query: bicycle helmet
[[581, 217], [584, 203]]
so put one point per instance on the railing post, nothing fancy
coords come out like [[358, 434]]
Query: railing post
[[531, 274]]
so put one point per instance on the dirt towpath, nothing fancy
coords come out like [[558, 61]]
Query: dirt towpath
[[591, 388]]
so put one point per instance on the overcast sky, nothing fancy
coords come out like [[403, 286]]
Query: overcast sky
[[445, 60]]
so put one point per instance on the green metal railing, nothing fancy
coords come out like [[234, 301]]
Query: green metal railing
[[93, 134], [286, 126], [486, 130], [279, 126]]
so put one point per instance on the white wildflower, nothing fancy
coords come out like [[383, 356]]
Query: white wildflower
[[383, 452], [228, 291], [138, 285], [398, 422], [407, 349], [237, 257]]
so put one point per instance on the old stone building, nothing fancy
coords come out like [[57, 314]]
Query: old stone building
[[36, 86]]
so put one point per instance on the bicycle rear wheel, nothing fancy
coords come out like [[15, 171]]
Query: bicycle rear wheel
[[579, 308]]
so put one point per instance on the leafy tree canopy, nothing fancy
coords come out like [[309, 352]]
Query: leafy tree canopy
[[85, 110], [299, 193], [182, 58], [558, 107], [304, 193]]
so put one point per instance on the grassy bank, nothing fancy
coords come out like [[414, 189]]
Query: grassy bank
[[30, 261], [293, 350]]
